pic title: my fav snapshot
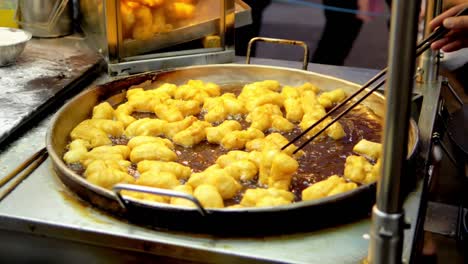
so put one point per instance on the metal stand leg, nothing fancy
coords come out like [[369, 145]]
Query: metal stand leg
[[387, 233], [387, 219]]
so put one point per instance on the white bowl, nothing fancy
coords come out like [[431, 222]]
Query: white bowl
[[12, 43]]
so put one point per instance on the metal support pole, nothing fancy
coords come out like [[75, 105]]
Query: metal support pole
[[428, 65], [387, 215]]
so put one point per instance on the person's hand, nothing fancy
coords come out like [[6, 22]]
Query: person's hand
[[457, 37]]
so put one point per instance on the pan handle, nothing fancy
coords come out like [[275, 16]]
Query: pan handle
[[305, 59], [163, 192]]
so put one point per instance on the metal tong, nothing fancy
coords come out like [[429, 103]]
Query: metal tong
[[420, 48]]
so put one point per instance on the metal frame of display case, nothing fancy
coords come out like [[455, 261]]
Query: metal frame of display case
[[103, 29]]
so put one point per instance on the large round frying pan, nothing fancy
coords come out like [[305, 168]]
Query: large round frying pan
[[300, 216]]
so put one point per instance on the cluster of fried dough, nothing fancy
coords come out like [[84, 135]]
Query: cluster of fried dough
[[142, 19], [254, 156], [358, 168]]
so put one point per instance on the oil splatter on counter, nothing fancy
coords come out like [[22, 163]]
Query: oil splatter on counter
[[47, 71]]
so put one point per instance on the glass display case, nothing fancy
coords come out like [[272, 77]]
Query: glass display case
[[141, 35]]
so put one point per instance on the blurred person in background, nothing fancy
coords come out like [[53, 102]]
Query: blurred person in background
[[342, 28], [244, 34]]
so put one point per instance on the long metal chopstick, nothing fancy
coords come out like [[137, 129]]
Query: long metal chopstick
[[421, 47], [27, 166]]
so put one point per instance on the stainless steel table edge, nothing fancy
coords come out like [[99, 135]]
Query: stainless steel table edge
[[63, 232]]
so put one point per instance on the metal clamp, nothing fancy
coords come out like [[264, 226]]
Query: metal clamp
[[305, 59], [163, 192]]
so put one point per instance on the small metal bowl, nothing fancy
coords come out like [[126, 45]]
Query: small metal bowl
[[12, 43]]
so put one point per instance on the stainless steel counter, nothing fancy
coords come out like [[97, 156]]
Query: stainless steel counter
[[44, 72], [42, 220]]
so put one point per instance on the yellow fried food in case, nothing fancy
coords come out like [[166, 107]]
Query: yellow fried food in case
[[266, 197], [180, 10], [358, 169], [216, 134], [181, 201], [103, 111], [327, 99], [173, 128], [146, 127], [158, 179], [123, 114], [101, 174], [331, 186], [152, 3], [208, 196], [238, 139], [76, 151], [128, 18], [194, 134], [179, 170], [142, 29], [225, 184], [369, 149], [160, 24], [152, 151]]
